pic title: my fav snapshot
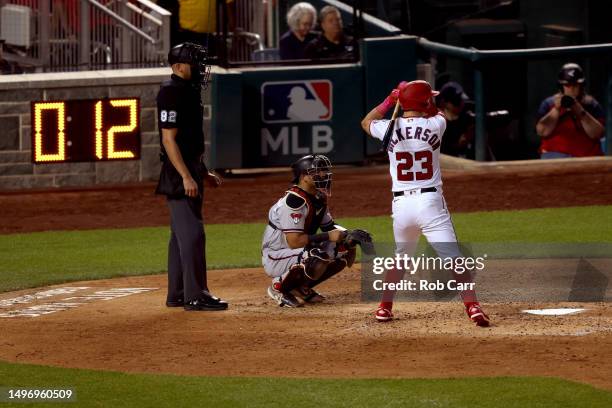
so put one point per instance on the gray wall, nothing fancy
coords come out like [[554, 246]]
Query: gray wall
[[17, 91]]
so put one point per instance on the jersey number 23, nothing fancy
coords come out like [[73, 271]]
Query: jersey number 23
[[405, 161]]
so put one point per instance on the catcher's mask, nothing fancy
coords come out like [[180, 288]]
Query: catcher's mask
[[316, 166], [196, 56]]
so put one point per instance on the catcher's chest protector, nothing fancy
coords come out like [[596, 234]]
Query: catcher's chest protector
[[317, 207]]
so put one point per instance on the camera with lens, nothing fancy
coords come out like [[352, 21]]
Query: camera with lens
[[567, 101]]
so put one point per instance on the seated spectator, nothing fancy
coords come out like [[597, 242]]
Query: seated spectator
[[300, 19], [570, 122], [332, 43], [459, 135]]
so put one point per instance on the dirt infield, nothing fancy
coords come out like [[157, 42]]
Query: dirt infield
[[356, 192], [254, 337], [99, 327]]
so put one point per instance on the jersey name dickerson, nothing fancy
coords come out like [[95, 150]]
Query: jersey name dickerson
[[414, 151]]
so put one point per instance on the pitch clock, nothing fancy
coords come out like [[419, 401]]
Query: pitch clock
[[85, 130]]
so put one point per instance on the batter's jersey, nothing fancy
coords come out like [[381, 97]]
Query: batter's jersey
[[296, 211], [414, 151]]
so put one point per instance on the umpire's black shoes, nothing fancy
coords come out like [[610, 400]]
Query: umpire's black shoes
[[206, 302], [207, 294], [175, 303]]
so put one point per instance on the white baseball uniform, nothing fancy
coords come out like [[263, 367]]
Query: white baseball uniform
[[418, 203]]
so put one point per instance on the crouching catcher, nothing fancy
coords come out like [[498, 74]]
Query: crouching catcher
[[294, 253]]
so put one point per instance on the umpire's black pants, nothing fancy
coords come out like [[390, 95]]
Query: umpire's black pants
[[186, 250]]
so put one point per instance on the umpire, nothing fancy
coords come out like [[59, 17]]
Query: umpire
[[182, 177]]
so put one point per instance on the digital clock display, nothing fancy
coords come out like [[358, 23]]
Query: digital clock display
[[85, 130]]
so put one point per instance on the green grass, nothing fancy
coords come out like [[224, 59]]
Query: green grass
[[112, 389], [37, 259], [31, 260]]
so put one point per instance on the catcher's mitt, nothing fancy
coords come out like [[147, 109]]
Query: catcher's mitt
[[361, 238]]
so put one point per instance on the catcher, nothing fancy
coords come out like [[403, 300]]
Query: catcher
[[294, 255]]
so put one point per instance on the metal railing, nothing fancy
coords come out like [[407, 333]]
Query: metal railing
[[92, 34], [249, 27], [258, 17], [478, 57]]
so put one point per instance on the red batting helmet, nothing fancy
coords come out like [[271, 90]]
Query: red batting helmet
[[416, 96]]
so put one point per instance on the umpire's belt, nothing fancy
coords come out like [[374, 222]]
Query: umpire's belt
[[407, 192]]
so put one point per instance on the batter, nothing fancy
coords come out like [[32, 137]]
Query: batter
[[418, 203]]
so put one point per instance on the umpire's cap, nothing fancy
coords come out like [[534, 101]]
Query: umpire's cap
[[194, 55], [571, 73], [187, 53]]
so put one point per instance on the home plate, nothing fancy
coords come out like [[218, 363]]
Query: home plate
[[553, 312]]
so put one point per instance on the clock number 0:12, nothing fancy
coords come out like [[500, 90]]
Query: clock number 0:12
[[60, 107]]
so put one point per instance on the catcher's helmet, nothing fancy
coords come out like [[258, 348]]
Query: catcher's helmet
[[194, 55], [416, 96], [318, 167], [571, 73]]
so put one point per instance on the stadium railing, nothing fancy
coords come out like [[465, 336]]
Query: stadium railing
[[85, 34]]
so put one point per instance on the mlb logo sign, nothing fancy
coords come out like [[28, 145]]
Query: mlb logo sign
[[296, 101]]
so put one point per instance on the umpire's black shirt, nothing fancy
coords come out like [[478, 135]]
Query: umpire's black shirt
[[179, 105]]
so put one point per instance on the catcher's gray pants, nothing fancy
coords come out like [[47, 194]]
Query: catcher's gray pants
[[186, 256], [276, 263]]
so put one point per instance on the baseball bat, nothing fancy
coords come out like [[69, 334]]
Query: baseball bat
[[390, 127]]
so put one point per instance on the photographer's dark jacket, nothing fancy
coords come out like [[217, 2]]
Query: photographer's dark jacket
[[179, 105]]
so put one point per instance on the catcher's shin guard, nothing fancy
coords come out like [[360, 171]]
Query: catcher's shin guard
[[316, 263], [294, 278], [333, 268]]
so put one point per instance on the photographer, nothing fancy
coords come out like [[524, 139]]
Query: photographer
[[570, 122]]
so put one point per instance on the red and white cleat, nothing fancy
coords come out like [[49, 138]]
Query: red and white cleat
[[383, 314], [475, 313]]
